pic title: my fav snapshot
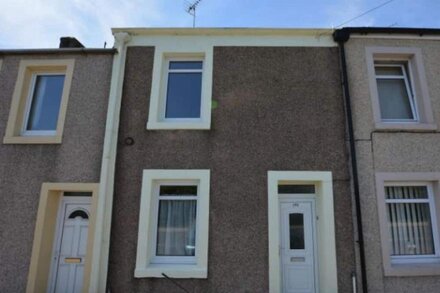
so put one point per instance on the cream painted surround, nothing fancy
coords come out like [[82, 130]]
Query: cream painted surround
[[325, 226], [144, 268], [44, 235], [21, 95]]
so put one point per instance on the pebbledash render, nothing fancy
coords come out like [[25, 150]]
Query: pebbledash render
[[394, 89], [232, 169], [52, 121], [222, 160]]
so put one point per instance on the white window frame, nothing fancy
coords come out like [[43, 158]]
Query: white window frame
[[28, 106], [413, 57], [147, 263], [164, 90], [426, 258], [162, 56], [409, 85], [156, 199]]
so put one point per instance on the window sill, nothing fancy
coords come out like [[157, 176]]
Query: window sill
[[32, 140], [172, 271], [154, 125], [412, 269], [405, 126]]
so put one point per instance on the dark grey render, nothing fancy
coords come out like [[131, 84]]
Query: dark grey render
[[279, 108]]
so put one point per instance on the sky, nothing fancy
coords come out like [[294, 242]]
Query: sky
[[40, 23]]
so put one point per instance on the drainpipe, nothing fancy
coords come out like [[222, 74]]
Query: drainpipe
[[341, 37], [101, 241]]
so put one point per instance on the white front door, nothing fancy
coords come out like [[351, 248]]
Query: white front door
[[70, 247], [298, 247]]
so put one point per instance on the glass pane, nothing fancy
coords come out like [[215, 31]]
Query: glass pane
[[289, 189], [177, 190], [296, 224], [183, 95], [176, 231], [394, 99], [77, 193], [410, 229], [43, 114], [406, 192], [186, 65], [385, 70]]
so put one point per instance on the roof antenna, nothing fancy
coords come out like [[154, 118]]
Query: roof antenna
[[191, 9]]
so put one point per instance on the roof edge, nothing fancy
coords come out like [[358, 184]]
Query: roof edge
[[343, 34], [223, 31], [58, 51]]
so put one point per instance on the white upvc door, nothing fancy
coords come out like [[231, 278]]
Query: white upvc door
[[298, 247], [67, 270]]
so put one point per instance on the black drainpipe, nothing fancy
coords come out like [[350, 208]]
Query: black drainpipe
[[341, 37]]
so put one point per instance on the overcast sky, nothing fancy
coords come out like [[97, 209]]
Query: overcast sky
[[40, 23]]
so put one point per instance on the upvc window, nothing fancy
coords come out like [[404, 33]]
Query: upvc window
[[395, 91], [39, 103], [412, 224], [399, 89], [43, 104], [183, 89], [176, 222], [173, 224]]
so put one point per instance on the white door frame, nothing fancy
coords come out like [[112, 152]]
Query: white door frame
[[325, 227], [58, 235], [311, 198]]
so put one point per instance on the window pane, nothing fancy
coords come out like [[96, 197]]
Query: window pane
[[406, 192], [183, 95], [394, 99], [296, 223], [385, 70], [290, 189], [177, 190], [176, 231], [410, 229], [186, 65], [45, 106]]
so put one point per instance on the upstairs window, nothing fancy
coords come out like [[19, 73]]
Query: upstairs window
[[398, 89], [43, 104], [395, 90], [181, 88], [184, 89], [39, 103]]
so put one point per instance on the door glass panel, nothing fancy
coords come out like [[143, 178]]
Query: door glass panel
[[296, 227]]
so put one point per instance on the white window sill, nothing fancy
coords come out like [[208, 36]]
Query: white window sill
[[405, 126], [172, 271], [412, 269], [202, 125]]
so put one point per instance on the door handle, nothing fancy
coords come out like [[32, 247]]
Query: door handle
[[72, 260]]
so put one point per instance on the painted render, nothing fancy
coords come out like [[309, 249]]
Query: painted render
[[279, 108], [24, 168], [390, 151]]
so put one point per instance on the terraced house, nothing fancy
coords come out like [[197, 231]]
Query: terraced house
[[393, 85], [232, 169], [52, 122]]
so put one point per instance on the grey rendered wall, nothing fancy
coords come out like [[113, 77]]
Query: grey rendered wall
[[379, 151], [278, 109], [24, 168]]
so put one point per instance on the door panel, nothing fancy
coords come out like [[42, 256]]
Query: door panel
[[71, 246], [297, 249]]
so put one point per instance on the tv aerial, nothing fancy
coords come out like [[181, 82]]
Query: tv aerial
[[191, 10]]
